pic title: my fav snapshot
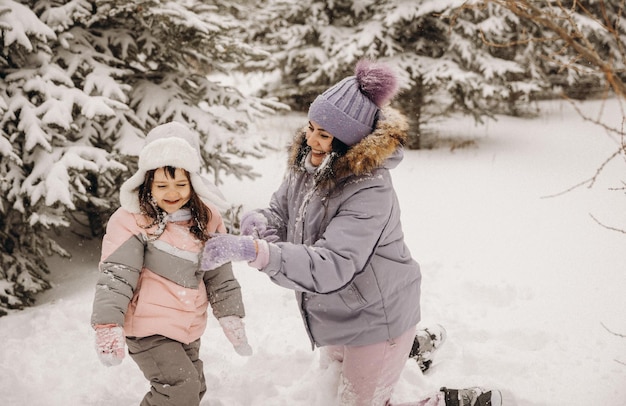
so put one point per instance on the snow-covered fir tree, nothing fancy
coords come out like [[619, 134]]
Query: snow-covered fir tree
[[453, 55], [82, 82]]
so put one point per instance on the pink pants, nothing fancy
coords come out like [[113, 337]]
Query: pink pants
[[370, 372]]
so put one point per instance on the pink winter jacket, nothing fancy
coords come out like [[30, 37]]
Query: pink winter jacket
[[156, 287]]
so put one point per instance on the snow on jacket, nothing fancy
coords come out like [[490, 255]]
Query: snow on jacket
[[342, 248], [156, 287]]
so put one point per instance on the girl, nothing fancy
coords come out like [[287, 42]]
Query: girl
[[151, 293], [332, 233]]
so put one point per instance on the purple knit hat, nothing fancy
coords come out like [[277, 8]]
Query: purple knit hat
[[348, 110]]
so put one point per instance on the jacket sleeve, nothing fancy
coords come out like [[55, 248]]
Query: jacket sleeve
[[120, 266], [224, 292]]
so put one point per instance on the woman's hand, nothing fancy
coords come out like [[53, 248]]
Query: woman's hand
[[254, 224]]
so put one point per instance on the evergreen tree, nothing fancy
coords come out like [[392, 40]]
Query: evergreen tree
[[453, 55], [435, 44], [81, 83]]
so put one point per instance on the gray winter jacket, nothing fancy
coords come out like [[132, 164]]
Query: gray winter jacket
[[342, 246]]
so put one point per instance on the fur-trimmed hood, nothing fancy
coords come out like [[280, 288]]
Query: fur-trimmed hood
[[374, 151]]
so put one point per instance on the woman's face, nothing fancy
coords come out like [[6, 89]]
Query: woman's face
[[320, 142], [171, 193]]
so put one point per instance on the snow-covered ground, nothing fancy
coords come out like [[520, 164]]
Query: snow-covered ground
[[527, 286]]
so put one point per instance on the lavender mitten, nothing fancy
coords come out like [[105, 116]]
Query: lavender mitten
[[255, 224], [270, 235], [223, 248]]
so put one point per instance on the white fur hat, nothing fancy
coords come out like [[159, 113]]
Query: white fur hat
[[171, 144]]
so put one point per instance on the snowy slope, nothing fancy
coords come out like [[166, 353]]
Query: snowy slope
[[523, 283]]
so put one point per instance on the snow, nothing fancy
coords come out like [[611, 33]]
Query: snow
[[528, 286], [21, 27]]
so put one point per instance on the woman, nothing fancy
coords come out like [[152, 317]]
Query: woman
[[333, 234]]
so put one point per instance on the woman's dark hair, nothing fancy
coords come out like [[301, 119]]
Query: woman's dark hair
[[200, 213], [339, 147], [325, 174]]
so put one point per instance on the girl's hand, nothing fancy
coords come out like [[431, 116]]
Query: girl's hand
[[223, 248], [235, 331], [110, 344]]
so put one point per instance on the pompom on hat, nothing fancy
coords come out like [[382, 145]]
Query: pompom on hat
[[170, 144], [349, 109]]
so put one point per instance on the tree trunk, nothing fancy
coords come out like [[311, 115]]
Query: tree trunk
[[412, 103]]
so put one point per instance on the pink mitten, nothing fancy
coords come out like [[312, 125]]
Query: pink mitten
[[110, 344], [235, 331]]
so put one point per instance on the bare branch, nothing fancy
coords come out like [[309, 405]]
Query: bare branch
[[576, 186], [592, 180], [612, 332], [605, 226], [616, 334], [614, 130]]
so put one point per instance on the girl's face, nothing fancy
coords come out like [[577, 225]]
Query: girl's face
[[170, 193], [320, 142]]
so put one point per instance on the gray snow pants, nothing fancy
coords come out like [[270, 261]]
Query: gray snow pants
[[173, 369]]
